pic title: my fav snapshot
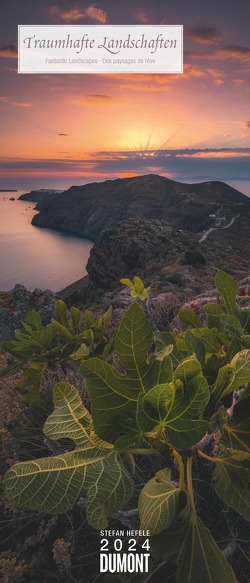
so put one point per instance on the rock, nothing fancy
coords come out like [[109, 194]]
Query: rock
[[196, 304], [89, 209], [15, 305], [127, 249]]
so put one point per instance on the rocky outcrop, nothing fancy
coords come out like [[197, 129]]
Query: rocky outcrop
[[88, 210], [39, 195], [126, 249], [15, 305]]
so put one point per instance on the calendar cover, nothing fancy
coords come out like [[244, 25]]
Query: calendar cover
[[124, 291]]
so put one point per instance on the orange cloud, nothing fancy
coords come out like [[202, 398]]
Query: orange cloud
[[218, 82], [21, 104], [192, 71], [142, 17], [204, 35], [238, 82], [236, 52], [8, 51], [6, 101], [98, 99], [96, 14], [74, 14], [246, 124]]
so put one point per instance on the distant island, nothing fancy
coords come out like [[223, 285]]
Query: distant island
[[7, 190]]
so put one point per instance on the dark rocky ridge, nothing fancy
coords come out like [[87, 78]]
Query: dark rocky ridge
[[88, 210], [151, 249], [127, 248], [39, 195]]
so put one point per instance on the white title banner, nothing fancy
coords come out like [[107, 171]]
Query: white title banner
[[100, 49]]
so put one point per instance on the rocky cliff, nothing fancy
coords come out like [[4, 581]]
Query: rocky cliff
[[39, 195], [128, 248], [88, 210]]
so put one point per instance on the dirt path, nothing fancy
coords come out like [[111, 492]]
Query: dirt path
[[205, 235]]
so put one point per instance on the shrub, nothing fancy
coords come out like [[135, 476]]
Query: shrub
[[169, 401], [174, 278], [194, 258]]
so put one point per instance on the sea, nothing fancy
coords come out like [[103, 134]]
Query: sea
[[42, 258], [35, 257]]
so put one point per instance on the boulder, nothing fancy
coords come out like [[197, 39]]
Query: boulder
[[126, 250]]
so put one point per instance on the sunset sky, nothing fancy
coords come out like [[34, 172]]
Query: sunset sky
[[58, 130]]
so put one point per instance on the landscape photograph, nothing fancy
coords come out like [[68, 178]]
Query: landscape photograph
[[124, 305]]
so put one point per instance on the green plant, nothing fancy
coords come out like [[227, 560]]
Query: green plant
[[68, 338], [170, 401], [194, 258], [138, 290]]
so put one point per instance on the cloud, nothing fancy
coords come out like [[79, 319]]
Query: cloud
[[96, 14], [62, 134], [8, 51], [246, 124], [235, 52], [6, 101], [184, 165], [238, 82], [142, 17], [204, 35], [192, 71], [175, 153], [99, 99], [218, 82], [73, 14], [21, 104]]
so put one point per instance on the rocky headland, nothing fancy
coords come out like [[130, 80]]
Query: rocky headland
[[40, 195], [173, 235], [88, 210]]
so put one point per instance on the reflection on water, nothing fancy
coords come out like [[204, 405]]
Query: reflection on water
[[36, 257]]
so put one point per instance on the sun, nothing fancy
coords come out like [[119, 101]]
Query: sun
[[139, 140]]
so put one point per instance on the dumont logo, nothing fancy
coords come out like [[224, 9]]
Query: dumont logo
[[100, 49]]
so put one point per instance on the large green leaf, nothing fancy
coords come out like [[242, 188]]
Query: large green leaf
[[33, 319], [187, 369], [195, 346], [166, 545], [11, 369], [158, 502], [200, 559], [209, 339], [163, 339], [54, 484], [228, 288], [213, 313], [132, 343], [113, 394], [61, 313], [237, 432], [232, 480], [32, 378], [177, 411], [189, 317], [233, 375]]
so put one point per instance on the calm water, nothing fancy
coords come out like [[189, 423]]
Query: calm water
[[36, 258], [39, 257]]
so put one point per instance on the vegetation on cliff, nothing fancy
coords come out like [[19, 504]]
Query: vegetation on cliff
[[162, 417]]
